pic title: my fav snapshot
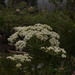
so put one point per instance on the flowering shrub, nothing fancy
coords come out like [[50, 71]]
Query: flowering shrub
[[39, 37], [43, 33]]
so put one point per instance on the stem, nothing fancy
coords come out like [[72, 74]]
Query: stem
[[51, 63], [35, 61], [36, 71]]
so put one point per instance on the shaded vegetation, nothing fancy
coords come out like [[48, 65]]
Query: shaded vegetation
[[25, 13]]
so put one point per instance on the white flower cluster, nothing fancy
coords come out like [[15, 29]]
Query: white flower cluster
[[42, 32], [20, 58], [13, 37], [18, 65], [20, 45], [55, 42], [56, 50]]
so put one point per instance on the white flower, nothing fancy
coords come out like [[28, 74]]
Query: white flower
[[57, 50], [49, 49], [18, 65], [54, 35], [13, 37], [63, 56], [20, 57], [40, 37], [54, 42], [10, 57], [20, 45], [53, 48]]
